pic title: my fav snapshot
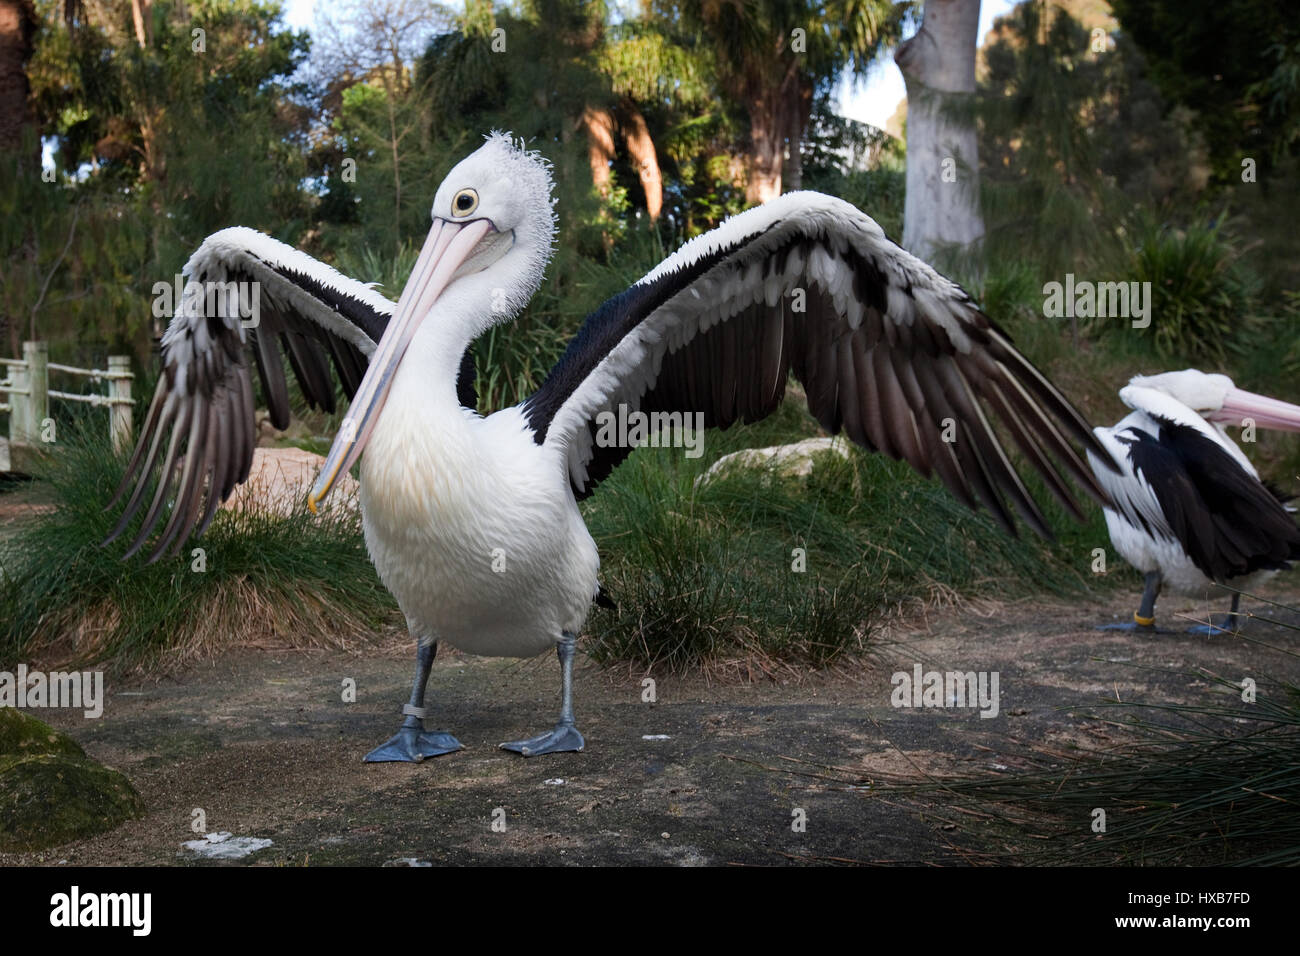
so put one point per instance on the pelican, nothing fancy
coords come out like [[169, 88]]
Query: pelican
[[1190, 511], [472, 522]]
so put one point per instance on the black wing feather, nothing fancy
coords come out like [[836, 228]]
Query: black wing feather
[[902, 384], [1228, 521], [202, 411]]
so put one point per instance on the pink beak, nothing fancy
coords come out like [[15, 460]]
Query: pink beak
[[1241, 407], [449, 244]]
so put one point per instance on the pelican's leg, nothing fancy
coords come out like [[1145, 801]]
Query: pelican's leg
[[1144, 618], [565, 736], [1230, 623], [413, 743]]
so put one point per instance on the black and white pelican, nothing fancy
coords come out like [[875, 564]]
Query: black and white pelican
[[1189, 510], [472, 522]]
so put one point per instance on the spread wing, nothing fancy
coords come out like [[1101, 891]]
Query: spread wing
[[249, 300], [887, 350]]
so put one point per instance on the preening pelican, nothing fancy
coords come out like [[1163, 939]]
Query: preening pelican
[[472, 522], [1190, 511]]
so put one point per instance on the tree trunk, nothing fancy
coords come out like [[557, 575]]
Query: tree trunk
[[799, 117], [152, 165], [767, 127], [941, 209], [641, 149], [599, 125], [778, 120], [18, 23], [142, 19]]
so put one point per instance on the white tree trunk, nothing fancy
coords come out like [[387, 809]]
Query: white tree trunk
[[942, 204]]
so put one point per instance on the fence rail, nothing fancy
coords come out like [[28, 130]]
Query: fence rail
[[28, 389]]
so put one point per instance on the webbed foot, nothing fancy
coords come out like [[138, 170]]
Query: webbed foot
[[564, 738], [1218, 626], [1133, 627], [413, 744]]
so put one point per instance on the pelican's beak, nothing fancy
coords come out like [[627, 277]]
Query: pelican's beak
[[449, 244], [1242, 406]]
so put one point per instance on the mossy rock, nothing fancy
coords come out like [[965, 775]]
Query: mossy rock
[[50, 791], [22, 735]]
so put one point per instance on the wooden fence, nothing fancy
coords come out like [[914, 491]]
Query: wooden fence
[[26, 382]]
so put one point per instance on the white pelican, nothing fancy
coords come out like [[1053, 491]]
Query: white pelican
[[472, 522], [1190, 511]]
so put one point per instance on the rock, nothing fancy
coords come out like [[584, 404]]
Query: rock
[[268, 435], [50, 791], [280, 479], [22, 735], [790, 461]]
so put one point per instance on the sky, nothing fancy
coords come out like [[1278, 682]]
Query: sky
[[872, 100], [299, 13]]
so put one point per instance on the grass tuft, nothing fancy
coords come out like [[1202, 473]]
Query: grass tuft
[[297, 580], [703, 574]]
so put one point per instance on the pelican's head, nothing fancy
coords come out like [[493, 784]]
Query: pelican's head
[[1217, 400], [493, 209], [505, 191]]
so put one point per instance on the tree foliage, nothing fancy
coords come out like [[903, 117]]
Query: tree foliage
[[154, 147], [212, 113], [1212, 57]]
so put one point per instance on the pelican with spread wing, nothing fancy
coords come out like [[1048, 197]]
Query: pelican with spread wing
[[472, 522]]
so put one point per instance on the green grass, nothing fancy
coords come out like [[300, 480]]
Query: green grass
[[704, 575], [297, 579]]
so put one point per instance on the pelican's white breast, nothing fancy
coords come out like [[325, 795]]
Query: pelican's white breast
[[472, 527]]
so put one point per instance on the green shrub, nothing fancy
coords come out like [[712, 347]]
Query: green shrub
[[299, 579], [702, 574], [1202, 302]]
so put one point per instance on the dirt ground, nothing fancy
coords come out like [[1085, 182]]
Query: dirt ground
[[263, 744]]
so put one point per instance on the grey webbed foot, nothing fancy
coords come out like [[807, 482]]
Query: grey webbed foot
[[1144, 618], [1219, 626], [1133, 627], [413, 744], [564, 738]]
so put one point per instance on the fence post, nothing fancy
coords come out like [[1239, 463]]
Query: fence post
[[30, 410], [119, 412], [18, 414]]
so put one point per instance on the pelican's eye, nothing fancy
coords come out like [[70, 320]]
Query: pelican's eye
[[464, 202]]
